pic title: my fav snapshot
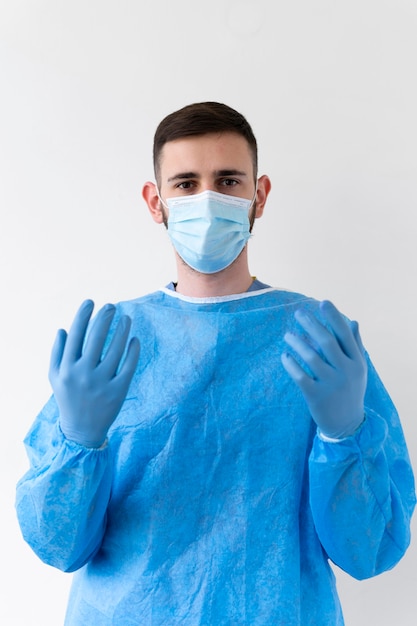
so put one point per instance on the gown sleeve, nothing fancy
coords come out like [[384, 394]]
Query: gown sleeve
[[362, 492], [61, 501]]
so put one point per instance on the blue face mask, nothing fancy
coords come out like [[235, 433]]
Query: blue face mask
[[208, 230]]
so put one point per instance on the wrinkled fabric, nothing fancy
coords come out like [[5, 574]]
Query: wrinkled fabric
[[214, 502]]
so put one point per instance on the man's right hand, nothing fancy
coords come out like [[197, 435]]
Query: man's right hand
[[89, 386]]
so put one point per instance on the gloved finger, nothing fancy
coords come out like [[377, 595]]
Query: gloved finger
[[314, 361], [57, 352], [112, 358], [129, 365], [76, 335], [340, 328], [97, 335], [355, 330], [296, 372], [321, 336]]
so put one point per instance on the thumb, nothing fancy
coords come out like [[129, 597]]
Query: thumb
[[355, 330], [57, 353]]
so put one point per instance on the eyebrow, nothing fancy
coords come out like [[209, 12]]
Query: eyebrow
[[217, 173]]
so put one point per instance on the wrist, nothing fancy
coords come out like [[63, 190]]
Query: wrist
[[83, 439], [336, 437]]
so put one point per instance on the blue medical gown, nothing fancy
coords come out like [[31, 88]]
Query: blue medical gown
[[214, 502]]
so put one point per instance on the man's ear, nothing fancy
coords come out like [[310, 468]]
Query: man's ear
[[264, 187], [150, 195]]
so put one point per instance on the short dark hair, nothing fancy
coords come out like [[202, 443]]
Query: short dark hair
[[202, 118]]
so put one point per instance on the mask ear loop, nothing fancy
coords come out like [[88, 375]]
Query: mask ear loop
[[159, 196], [254, 195]]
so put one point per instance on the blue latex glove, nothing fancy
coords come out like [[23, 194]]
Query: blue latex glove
[[90, 387], [333, 382]]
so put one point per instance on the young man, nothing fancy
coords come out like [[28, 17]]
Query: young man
[[210, 481]]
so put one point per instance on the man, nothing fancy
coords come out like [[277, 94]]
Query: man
[[210, 480]]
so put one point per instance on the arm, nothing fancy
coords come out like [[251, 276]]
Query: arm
[[62, 500], [361, 483], [362, 491]]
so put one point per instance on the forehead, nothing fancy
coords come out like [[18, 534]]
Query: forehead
[[209, 152]]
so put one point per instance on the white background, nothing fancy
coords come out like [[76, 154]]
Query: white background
[[330, 90]]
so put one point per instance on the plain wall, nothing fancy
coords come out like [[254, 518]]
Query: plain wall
[[330, 90]]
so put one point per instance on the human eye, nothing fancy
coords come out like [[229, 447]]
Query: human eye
[[229, 182], [185, 185]]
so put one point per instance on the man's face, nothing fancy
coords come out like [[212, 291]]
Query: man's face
[[219, 162]]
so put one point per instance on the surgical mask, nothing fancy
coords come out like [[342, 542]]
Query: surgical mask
[[209, 230]]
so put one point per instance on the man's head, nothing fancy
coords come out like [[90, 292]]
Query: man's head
[[200, 119], [207, 189]]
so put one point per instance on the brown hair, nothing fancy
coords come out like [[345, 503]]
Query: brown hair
[[200, 119]]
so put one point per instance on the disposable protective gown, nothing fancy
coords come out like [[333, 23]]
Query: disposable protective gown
[[214, 502]]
